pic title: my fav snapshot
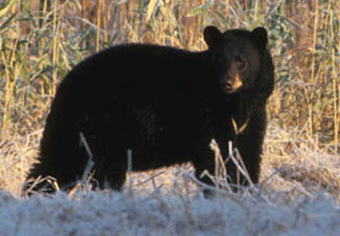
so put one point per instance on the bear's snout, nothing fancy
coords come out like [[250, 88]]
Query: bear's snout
[[227, 84], [231, 83]]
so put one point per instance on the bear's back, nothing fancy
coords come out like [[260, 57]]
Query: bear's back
[[146, 97]]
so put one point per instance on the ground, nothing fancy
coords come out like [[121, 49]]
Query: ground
[[295, 197], [107, 213]]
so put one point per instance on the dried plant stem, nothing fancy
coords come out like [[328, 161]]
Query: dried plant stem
[[336, 95], [310, 105], [99, 13], [220, 169], [220, 166], [226, 7], [129, 170], [227, 194], [90, 162], [55, 50]]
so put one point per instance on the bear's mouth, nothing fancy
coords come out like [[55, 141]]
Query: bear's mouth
[[229, 90]]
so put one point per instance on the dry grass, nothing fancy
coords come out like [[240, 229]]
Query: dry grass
[[38, 48]]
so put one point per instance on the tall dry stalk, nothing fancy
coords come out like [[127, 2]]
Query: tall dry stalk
[[99, 13], [336, 74], [312, 77], [55, 48], [335, 85]]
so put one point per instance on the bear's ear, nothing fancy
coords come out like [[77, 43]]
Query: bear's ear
[[260, 36], [212, 36]]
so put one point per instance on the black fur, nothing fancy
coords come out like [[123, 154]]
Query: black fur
[[163, 103]]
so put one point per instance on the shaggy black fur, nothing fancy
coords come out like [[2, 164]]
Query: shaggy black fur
[[163, 103]]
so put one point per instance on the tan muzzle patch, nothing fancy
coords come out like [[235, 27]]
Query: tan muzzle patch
[[237, 82]]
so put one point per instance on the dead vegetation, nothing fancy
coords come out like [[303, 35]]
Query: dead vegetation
[[38, 48]]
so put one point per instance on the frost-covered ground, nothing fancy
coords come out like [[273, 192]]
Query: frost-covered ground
[[110, 213], [298, 194]]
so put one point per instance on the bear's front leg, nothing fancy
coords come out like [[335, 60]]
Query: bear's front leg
[[249, 144]]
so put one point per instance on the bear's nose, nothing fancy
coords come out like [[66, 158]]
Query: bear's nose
[[228, 84]]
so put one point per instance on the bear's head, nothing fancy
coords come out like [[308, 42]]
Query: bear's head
[[238, 57]]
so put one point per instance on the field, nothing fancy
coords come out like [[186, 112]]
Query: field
[[299, 191]]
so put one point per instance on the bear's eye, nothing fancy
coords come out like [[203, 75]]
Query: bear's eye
[[239, 60]]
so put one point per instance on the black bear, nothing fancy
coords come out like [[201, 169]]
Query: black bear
[[162, 103]]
